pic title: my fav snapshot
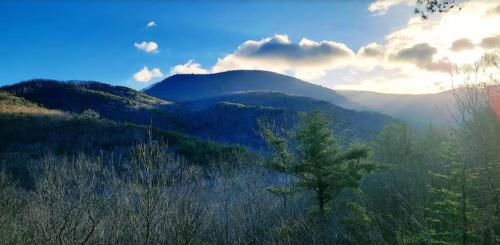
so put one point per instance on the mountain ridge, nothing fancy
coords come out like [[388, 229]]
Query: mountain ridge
[[29, 131], [180, 87], [243, 110]]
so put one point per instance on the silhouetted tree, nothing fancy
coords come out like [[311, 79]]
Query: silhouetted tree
[[426, 7]]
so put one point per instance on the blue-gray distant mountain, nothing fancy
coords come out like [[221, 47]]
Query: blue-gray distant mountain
[[416, 109], [185, 87]]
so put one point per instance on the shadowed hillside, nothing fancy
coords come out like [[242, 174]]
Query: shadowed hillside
[[240, 112]]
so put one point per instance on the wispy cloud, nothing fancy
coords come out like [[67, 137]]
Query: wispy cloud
[[191, 67], [151, 24], [380, 7], [145, 75], [148, 47]]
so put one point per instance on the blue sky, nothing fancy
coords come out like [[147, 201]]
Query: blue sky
[[376, 45], [95, 41]]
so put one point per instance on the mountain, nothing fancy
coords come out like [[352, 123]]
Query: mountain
[[360, 121], [12, 105], [29, 131], [112, 102], [185, 87], [245, 108], [416, 109], [235, 123], [76, 96], [229, 119]]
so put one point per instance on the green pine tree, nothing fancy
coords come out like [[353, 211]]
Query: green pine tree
[[317, 162], [450, 214]]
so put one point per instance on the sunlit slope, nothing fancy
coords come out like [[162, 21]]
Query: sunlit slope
[[116, 103], [29, 131]]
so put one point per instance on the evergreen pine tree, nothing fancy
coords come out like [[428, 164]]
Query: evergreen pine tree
[[317, 162]]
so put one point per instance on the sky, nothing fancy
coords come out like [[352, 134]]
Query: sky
[[376, 45]]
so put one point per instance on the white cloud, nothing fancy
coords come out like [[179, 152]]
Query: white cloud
[[422, 55], [413, 59], [151, 24], [372, 50], [306, 59], [371, 56], [380, 7], [311, 60], [392, 80], [191, 67], [418, 55], [490, 42], [494, 11], [148, 47], [462, 45], [145, 75]]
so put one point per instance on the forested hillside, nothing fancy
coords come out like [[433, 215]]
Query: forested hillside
[[30, 131], [200, 118], [241, 112], [406, 187]]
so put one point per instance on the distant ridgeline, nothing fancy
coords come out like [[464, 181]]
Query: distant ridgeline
[[187, 87], [228, 116], [417, 110]]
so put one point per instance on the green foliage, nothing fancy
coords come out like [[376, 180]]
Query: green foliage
[[449, 212], [397, 195], [318, 164], [441, 184]]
